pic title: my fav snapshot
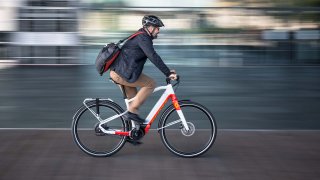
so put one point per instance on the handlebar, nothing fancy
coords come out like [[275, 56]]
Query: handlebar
[[168, 80]]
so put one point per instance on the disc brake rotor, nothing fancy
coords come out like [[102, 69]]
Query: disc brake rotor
[[191, 129]]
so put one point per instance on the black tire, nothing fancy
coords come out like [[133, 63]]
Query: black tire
[[84, 131], [183, 143]]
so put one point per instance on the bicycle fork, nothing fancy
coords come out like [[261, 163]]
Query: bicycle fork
[[179, 111]]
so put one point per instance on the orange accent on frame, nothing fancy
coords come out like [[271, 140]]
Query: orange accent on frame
[[121, 133], [175, 102], [146, 130]]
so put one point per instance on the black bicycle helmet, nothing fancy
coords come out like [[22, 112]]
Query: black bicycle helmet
[[148, 20]]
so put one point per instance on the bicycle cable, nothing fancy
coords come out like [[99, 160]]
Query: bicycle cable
[[176, 88], [176, 85]]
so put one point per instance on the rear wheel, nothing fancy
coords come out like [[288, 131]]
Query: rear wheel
[[90, 138], [202, 130]]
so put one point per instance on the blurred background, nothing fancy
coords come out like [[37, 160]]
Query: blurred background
[[212, 32], [254, 63]]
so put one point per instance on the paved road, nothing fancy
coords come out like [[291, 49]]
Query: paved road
[[236, 155], [240, 97]]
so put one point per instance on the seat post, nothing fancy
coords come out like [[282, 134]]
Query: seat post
[[123, 90]]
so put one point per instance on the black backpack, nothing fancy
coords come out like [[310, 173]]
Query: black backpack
[[109, 53]]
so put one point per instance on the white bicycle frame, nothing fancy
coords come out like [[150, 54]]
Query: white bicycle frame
[[168, 93]]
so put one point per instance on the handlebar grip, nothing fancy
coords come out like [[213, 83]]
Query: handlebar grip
[[168, 80]]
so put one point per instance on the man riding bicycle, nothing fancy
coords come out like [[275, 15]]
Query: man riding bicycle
[[127, 69]]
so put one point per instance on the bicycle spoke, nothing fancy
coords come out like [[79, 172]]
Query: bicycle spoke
[[170, 124]]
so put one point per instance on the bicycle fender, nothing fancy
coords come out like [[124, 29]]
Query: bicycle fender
[[168, 108], [97, 100]]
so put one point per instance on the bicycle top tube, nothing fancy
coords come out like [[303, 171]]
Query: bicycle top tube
[[159, 88], [168, 80]]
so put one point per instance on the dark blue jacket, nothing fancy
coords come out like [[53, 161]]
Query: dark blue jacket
[[133, 56]]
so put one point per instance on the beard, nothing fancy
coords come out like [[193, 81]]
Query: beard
[[155, 36]]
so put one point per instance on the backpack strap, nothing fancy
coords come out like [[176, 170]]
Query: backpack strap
[[135, 34], [130, 37]]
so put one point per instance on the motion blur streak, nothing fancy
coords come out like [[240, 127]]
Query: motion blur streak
[[253, 63]]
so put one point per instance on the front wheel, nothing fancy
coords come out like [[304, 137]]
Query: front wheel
[[202, 130]]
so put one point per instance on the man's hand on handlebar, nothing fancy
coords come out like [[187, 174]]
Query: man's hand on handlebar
[[173, 75]]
